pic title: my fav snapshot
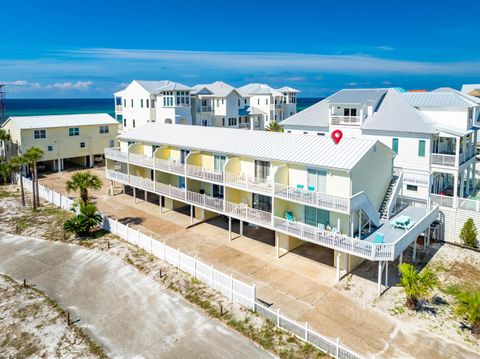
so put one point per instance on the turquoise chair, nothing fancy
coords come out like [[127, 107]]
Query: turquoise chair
[[290, 217], [300, 186], [311, 188], [321, 226], [379, 238], [335, 230]]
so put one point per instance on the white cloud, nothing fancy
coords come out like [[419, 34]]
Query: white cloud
[[79, 85], [387, 83]]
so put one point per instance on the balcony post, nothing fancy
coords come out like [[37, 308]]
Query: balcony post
[[339, 256], [379, 281], [386, 274], [134, 195], [229, 228], [414, 256], [160, 200], [241, 228], [457, 151]]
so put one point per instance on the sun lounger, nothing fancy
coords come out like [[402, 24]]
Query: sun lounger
[[321, 226], [290, 217], [379, 238], [402, 222]]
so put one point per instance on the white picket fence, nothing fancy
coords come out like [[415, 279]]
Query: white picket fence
[[235, 290]]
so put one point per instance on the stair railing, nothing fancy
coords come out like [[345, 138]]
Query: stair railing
[[392, 201]]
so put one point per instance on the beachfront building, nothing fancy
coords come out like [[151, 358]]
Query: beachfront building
[[433, 135], [298, 188], [79, 139], [218, 104], [142, 102], [471, 89]]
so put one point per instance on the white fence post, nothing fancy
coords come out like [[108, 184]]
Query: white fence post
[[178, 258], [338, 348], [151, 245], [278, 317], [127, 239], [195, 266], [211, 275], [163, 251], [231, 287], [254, 297], [306, 331]]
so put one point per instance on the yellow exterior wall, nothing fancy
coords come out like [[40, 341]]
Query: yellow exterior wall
[[247, 166], [136, 148], [373, 174], [162, 153], [207, 160], [139, 171], [195, 159], [196, 186], [338, 183], [297, 174], [64, 146], [166, 178], [233, 165], [281, 206], [281, 175]]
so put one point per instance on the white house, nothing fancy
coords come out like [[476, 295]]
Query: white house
[[153, 101], [217, 104], [433, 134]]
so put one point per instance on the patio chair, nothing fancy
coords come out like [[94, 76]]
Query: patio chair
[[311, 188], [300, 186], [335, 230], [290, 217], [379, 238], [321, 226]]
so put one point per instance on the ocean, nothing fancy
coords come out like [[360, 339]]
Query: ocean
[[38, 107]]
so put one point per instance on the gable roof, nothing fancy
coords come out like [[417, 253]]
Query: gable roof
[[437, 99], [154, 87], [315, 116], [357, 96], [396, 114], [259, 89], [471, 98], [288, 89], [308, 150], [217, 89], [50, 121], [468, 88]]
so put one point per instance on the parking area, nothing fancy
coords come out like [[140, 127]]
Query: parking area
[[301, 282]]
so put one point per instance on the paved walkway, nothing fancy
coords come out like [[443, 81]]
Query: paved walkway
[[127, 313]]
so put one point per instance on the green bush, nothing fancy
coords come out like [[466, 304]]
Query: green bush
[[469, 233]]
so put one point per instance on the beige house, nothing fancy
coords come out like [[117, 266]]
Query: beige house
[[79, 139]]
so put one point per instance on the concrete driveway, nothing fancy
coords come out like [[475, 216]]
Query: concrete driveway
[[125, 312]]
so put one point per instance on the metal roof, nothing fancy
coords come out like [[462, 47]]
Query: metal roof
[[315, 116], [155, 87], [396, 114], [259, 89], [474, 99], [437, 99], [217, 89], [467, 88], [356, 96], [287, 89], [307, 150], [50, 121]]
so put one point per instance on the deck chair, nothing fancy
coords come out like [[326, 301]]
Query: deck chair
[[379, 238], [290, 217], [335, 230], [321, 226]]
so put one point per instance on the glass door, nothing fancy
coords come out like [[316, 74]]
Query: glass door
[[314, 216], [263, 203], [317, 180], [183, 155], [218, 162], [262, 169]]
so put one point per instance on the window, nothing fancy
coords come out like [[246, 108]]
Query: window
[[223, 121], [411, 187], [305, 133], [262, 169], [421, 148], [141, 103], [50, 148], [124, 122], [112, 143], [104, 129], [232, 121], [238, 102], [148, 103], [470, 114], [204, 123], [395, 145], [82, 144], [125, 102], [289, 131], [39, 134], [133, 123], [74, 131], [119, 118], [266, 101], [218, 102], [258, 102], [245, 101], [320, 134], [350, 112], [132, 102], [153, 103]]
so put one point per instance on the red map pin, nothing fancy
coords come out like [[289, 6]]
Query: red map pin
[[337, 136]]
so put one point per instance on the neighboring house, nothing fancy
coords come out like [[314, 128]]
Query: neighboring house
[[72, 138], [433, 135], [471, 89], [298, 189], [217, 104], [142, 102]]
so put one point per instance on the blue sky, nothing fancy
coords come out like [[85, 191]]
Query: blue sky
[[93, 48]]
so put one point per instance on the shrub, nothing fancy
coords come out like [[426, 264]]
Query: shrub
[[416, 285], [469, 306], [469, 233]]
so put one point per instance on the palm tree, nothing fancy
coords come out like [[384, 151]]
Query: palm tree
[[75, 225], [416, 285], [469, 306], [89, 214], [4, 135], [274, 126], [17, 163], [83, 182], [5, 171], [33, 155]]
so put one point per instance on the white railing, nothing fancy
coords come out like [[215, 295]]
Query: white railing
[[141, 182], [337, 241], [205, 173], [361, 201], [115, 175], [171, 191], [233, 289], [467, 204], [118, 108], [205, 201], [205, 108], [170, 166], [241, 211], [392, 201], [469, 152], [318, 199], [443, 159], [412, 234], [442, 200], [242, 180], [345, 120], [115, 154], [140, 159]]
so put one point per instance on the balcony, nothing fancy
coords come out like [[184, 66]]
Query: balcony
[[118, 108], [204, 173], [170, 166], [450, 159], [277, 106], [140, 159], [115, 154], [345, 120], [317, 199], [205, 108], [243, 181]]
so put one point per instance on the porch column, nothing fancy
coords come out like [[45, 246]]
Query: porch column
[[467, 185], [462, 184], [230, 228], [474, 175], [428, 236], [191, 214], [339, 257], [277, 244], [145, 196], [134, 195], [455, 190], [359, 224], [160, 200], [386, 274], [400, 260], [112, 188], [241, 228], [457, 151], [379, 281], [91, 161], [414, 251], [59, 166]]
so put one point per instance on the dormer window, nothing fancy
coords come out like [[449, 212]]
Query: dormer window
[[350, 112]]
